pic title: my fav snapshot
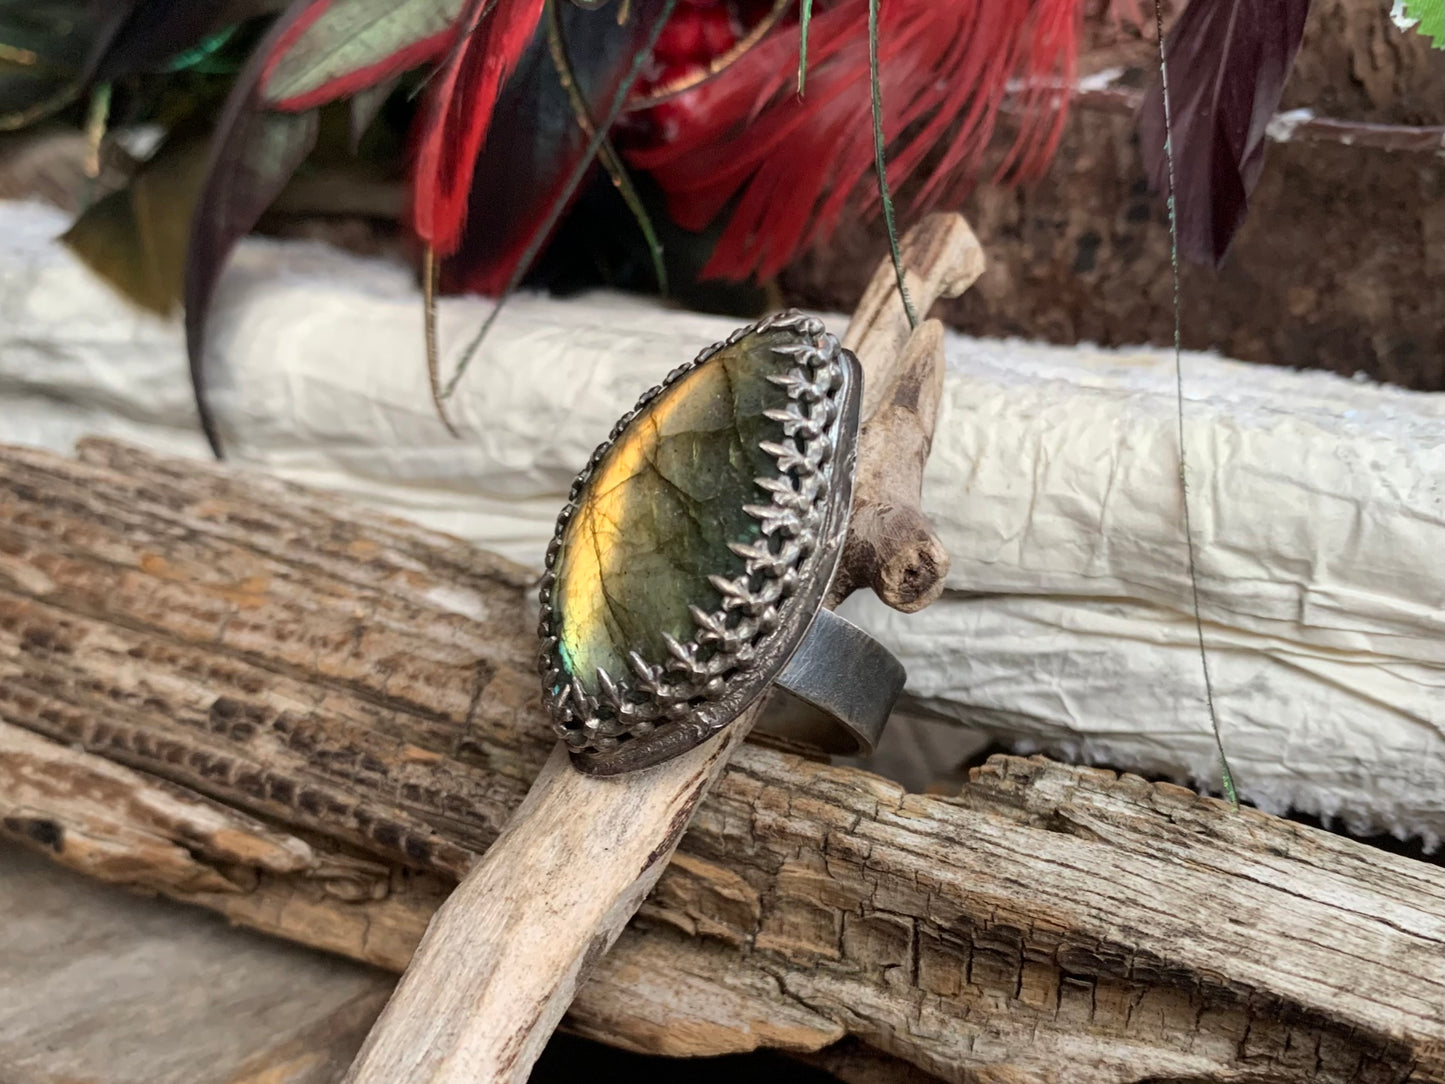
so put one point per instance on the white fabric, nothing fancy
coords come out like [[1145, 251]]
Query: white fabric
[[1318, 502]]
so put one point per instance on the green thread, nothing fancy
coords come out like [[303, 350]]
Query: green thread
[[805, 16], [1227, 777], [880, 164]]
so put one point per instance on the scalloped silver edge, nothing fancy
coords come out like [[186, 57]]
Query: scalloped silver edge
[[666, 706]]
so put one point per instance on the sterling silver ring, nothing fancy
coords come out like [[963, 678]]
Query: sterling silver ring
[[690, 564]]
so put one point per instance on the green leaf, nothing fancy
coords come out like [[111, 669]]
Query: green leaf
[[136, 238], [351, 38], [1424, 17]]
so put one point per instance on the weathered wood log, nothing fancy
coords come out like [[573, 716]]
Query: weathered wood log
[[1052, 481], [508, 950], [312, 720]]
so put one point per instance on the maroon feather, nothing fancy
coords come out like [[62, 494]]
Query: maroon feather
[[1227, 62], [253, 153]]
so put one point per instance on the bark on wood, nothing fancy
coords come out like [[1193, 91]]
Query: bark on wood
[[266, 673], [581, 854]]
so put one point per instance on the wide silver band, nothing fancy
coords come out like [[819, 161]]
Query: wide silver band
[[840, 686]]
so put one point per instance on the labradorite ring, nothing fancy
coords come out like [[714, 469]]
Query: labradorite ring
[[690, 565]]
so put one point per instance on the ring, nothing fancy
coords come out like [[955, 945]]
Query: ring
[[690, 564]]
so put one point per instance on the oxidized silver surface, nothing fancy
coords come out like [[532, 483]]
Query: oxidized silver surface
[[665, 706]]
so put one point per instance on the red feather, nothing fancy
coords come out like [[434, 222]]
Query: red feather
[[524, 179], [460, 112], [789, 167]]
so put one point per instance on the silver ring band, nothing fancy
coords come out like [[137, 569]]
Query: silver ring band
[[841, 685]]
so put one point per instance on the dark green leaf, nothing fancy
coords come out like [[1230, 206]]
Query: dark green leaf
[[135, 238]]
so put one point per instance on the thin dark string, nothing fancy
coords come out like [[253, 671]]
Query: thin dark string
[[606, 153], [1227, 777]]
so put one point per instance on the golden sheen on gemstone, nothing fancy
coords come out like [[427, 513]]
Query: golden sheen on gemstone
[[661, 507]]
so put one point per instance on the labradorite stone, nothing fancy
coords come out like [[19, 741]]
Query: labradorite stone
[[662, 506]]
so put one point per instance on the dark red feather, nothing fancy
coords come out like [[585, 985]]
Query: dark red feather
[[535, 141], [784, 169], [459, 112], [1227, 63]]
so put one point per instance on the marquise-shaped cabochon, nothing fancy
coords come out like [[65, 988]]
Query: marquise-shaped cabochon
[[661, 507]]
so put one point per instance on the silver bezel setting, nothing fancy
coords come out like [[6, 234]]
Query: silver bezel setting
[[665, 706]]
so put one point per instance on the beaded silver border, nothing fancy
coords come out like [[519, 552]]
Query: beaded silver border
[[667, 706]]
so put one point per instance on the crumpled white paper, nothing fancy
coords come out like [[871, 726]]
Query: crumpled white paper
[[1318, 502]]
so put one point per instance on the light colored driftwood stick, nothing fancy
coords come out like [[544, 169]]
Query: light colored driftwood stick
[[891, 546], [942, 258], [504, 956], [501, 963], [333, 684]]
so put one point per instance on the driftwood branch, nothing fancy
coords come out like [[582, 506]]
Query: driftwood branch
[[581, 854], [313, 720]]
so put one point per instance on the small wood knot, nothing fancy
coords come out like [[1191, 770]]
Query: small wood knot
[[912, 574]]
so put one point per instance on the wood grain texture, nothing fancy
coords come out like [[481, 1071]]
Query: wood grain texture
[[354, 695]]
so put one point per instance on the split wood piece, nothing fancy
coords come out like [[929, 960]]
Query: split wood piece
[[503, 959], [216, 644], [1093, 929]]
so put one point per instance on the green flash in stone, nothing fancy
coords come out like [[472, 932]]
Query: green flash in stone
[[656, 517]]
